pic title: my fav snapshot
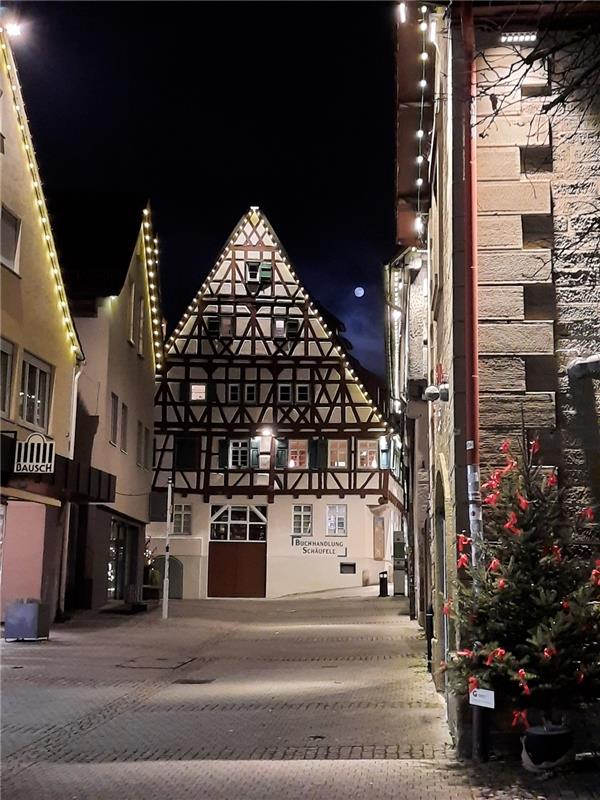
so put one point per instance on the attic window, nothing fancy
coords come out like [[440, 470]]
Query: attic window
[[293, 327], [252, 271], [213, 326]]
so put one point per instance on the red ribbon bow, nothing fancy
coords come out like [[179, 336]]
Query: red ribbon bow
[[498, 653], [549, 652], [466, 653], [520, 716], [463, 561], [587, 514], [552, 479], [463, 541], [494, 565], [491, 499], [523, 502], [511, 524], [447, 607], [505, 446], [534, 447], [473, 683]]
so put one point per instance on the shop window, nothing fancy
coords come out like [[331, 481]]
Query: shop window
[[238, 523], [336, 520], [182, 519], [302, 520], [367, 454], [338, 453]]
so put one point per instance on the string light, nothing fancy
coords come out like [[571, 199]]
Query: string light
[[424, 58], [36, 184], [402, 12], [151, 264]]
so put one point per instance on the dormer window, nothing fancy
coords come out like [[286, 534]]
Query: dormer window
[[252, 271]]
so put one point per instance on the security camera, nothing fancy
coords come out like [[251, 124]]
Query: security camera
[[431, 394]]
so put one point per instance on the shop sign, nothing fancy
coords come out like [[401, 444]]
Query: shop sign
[[321, 547], [482, 697], [35, 455]]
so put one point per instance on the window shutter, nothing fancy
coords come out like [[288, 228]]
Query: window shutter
[[184, 391], [211, 392], [254, 451], [384, 453], [313, 453], [322, 454], [266, 272], [281, 454], [223, 453]]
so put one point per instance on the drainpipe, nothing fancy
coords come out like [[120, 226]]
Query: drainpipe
[[471, 323], [76, 375]]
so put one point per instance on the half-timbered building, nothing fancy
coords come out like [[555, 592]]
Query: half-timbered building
[[285, 471]]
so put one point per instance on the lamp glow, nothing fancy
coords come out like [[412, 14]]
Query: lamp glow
[[402, 10]]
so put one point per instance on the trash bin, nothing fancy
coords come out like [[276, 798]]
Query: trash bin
[[26, 619], [383, 584]]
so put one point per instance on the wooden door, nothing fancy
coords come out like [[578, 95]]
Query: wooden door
[[237, 569]]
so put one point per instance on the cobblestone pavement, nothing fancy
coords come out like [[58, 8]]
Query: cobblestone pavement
[[311, 697]]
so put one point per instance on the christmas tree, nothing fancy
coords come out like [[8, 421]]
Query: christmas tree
[[528, 611]]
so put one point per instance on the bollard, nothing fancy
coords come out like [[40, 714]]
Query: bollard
[[383, 584], [429, 634]]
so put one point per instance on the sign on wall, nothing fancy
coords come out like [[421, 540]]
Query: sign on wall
[[35, 455], [308, 546]]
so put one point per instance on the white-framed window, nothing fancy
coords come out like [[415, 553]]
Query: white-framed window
[[233, 392], [124, 427], [338, 453], [147, 451], [10, 234], [302, 521], [139, 445], [239, 453], [250, 392], [198, 392], [35, 391], [113, 430], [298, 454], [238, 523], [368, 454], [131, 312], [6, 372], [336, 520], [284, 393], [140, 337], [303, 393], [252, 271], [182, 519]]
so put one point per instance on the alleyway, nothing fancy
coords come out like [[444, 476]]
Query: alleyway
[[219, 700]]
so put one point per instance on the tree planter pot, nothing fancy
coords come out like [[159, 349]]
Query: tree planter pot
[[547, 747]]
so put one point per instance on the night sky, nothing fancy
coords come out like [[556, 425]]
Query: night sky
[[209, 108]]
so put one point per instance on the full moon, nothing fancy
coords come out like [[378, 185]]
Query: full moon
[[359, 291]]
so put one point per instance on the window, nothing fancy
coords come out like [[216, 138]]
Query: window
[[140, 341], [226, 327], [279, 329], [238, 523], [239, 453], [213, 326], [266, 272], [182, 519], [139, 446], [124, 427], [35, 391], [147, 453], [114, 418], [338, 453], [284, 393], [303, 393], [293, 327], [538, 231], [6, 372], [10, 228], [297, 454], [535, 158], [186, 453], [336, 520], [2, 140], [131, 312], [367, 454], [302, 521], [347, 568], [250, 392], [252, 271], [198, 392], [234, 392]]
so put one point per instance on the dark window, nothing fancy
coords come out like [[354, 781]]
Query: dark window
[[347, 569], [186, 453], [252, 271], [284, 393], [10, 227], [538, 231], [303, 393], [213, 326], [536, 159], [293, 327], [281, 453], [250, 393], [234, 392]]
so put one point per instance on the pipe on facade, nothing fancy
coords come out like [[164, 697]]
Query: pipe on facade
[[471, 279]]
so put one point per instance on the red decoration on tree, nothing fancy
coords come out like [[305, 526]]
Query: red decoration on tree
[[520, 716], [463, 561], [595, 577], [492, 498], [522, 501], [494, 565], [550, 652], [587, 514], [510, 465], [552, 479], [473, 683], [511, 524], [498, 653], [523, 682], [447, 608], [580, 677], [466, 653], [501, 583], [534, 447], [463, 541], [566, 605], [494, 480], [505, 446], [557, 553]]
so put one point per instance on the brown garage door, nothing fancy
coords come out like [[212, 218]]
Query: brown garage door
[[237, 569]]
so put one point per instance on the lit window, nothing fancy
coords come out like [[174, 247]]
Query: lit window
[[336, 520], [123, 427], [279, 329], [140, 343], [252, 271], [198, 392], [338, 453], [114, 418], [303, 393], [250, 392], [234, 392], [367, 453], [297, 454], [182, 519], [239, 453], [302, 521], [6, 373], [238, 523], [10, 228], [284, 393]]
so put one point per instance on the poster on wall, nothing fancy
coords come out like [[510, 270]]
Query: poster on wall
[[378, 538]]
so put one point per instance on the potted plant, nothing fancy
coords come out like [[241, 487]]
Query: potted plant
[[528, 612]]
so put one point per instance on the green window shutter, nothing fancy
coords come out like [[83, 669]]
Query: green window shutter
[[223, 454], [313, 453], [266, 272], [322, 454], [384, 453], [281, 454], [254, 452]]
